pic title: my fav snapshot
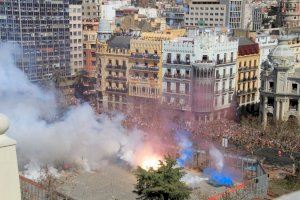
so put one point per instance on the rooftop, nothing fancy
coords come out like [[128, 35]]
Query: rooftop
[[245, 41], [121, 42]]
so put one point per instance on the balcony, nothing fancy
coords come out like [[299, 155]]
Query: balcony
[[246, 69], [243, 92], [146, 56], [177, 64], [144, 81], [116, 67], [178, 106], [176, 92], [145, 68], [169, 76], [116, 90], [116, 79]]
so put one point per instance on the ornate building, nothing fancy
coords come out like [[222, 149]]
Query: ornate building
[[199, 74], [280, 85], [248, 72], [112, 68], [145, 77]]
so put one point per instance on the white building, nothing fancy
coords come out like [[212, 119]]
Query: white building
[[252, 19], [76, 41], [266, 44], [108, 9], [199, 74], [151, 13], [235, 13], [280, 85]]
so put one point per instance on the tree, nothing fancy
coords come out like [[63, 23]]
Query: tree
[[161, 184]]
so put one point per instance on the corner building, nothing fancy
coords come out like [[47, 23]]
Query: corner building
[[199, 74], [280, 86]]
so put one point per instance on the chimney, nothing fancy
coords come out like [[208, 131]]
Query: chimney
[[9, 175]]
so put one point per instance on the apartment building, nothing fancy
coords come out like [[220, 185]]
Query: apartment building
[[145, 67], [41, 30], [205, 13], [91, 9], [76, 38], [90, 28], [247, 84], [235, 13], [289, 13], [199, 74], [280, 86]]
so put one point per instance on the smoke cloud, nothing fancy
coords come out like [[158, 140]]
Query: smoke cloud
[[186, 148], [46, 138]]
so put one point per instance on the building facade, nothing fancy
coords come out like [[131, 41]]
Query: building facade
[[76, 38], [266, 44], [294, 44], [205, 13], [289, 13], [41, 30], [174, 17], [280, 86], [90, 28], [145, 67], [91, 9], [235, 13], [199, 74], [248, 72]]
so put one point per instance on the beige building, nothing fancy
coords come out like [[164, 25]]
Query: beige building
[[248, 72], [205, 13], [91, 9], [280, 86], [76, 41], [145, 66]]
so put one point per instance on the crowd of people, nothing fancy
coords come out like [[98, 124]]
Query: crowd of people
[[248, 136]]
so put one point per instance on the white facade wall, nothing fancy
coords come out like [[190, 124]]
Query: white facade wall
[[149, 12], [208, 45], [266, 45], [76, 38]]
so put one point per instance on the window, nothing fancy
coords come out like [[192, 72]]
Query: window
[[169, 55], [223, 100], [294, 87], [231, 71], [250, 63], [168, 86], [187, 88]]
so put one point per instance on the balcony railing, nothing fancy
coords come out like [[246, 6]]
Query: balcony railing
[[145, 56], [248, 68], [116, 78], [116, 90], [145, 68], [177, 76], [241, 92], [178, 62], [116, 67]]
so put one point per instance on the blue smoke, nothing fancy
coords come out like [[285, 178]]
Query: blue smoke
[[218, 178], [186, 148]]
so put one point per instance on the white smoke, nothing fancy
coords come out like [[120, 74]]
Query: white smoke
[[78, 136], [193, 180], [217, 158]]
